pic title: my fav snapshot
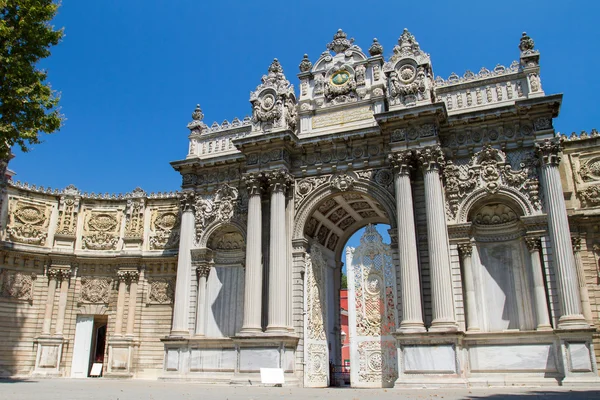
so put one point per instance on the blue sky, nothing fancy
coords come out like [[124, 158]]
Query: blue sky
[[130, 72]]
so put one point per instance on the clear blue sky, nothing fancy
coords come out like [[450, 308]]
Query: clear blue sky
[[130, 72]]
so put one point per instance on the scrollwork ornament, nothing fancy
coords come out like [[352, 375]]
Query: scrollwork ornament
[[402, 162], [95, 290], [590, 196]]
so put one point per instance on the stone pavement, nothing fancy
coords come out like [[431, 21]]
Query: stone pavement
[[107, 389]]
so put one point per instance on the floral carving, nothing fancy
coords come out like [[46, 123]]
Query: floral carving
[[220, 208], [16, 285], [161, 291], [28, 222], [164, 228], [305, 186], [590, 196], [590, 170], [102, 229], [134, 223], [68, 210], [95, 290], [495, 214], [489, 169]]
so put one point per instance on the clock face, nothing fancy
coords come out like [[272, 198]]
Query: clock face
[[340, 77]]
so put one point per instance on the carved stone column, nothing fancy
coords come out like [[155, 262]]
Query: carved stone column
[[278, 183], [181, 306], [558, 224], [412, 314], [52, 280], [63, 276], [254, 272], [541, 304], [432, 159], [585, 296], [466, 251], [134, 277], [202, 260]]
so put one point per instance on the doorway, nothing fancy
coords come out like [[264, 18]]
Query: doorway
[[89, 344]]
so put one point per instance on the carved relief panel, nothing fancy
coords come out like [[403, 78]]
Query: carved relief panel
[[317, 353], [16, 285], [28, 221], [372, 312], [101, 229], [164, 227]]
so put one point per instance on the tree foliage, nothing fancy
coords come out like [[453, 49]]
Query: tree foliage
[[344, 284], [28, 105]]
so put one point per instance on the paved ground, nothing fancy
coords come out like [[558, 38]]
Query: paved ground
[[105, 389]]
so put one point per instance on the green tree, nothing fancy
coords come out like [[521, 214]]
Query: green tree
[[28, 105], [344, 284]]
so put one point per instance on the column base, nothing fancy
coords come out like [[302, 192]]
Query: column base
[[179, 334], [544, 328], [411, 327], [250, 331], [573, 322], [443, 326], [277, 329]]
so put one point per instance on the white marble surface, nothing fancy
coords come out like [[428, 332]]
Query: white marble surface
[[213, 359], [518, 358], [172, 361], [224, 301], [429, 359], [579, 356], [252, 360]]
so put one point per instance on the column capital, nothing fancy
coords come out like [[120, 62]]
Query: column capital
[[59, 273], [253, 182], [402, 162], [533, 243], [203, 269], [187, 201], [465, 249], [279, 180], [128, 275], [548, 151], [431, 157], [576, 241]]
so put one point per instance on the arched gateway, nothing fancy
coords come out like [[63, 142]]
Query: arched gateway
[[241, 270]]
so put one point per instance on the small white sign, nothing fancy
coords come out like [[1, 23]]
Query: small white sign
[[96, 369], [272, 376]]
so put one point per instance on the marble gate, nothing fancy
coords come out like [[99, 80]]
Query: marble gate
[[212, 283]]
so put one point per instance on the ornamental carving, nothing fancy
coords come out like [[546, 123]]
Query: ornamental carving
[[164, 228], [274, 101], [134, 218], [548, 151], [68, 211], [221, 208], [590, 196], [101, 230], [318, 365], [28, 222], [161, 291], [306, 186], [342, 182], [376, 362], [278, 180], [494, 214], [590, 170], [16, 285], [128, 275], [340, 85], [490, 170], [95, 290]]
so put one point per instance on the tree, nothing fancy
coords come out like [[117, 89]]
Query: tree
[[344, 283], [28, 105]]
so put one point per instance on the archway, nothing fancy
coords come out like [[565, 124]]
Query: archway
[[332, 220]]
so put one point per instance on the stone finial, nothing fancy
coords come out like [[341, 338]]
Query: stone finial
[[275, 67], [305, 64], [197, 115], [407, 40], [340, 42], [526, 44], [376, 48]]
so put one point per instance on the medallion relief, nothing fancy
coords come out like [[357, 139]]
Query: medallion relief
[[28, 221], [101, 230]]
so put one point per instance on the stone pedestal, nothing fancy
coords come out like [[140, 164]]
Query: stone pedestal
[[121, 353], [48, 356]]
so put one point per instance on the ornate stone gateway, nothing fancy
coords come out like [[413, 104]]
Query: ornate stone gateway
[[317, 352], [372, 312]]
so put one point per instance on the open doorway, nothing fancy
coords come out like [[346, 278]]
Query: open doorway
[[89, 344]]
